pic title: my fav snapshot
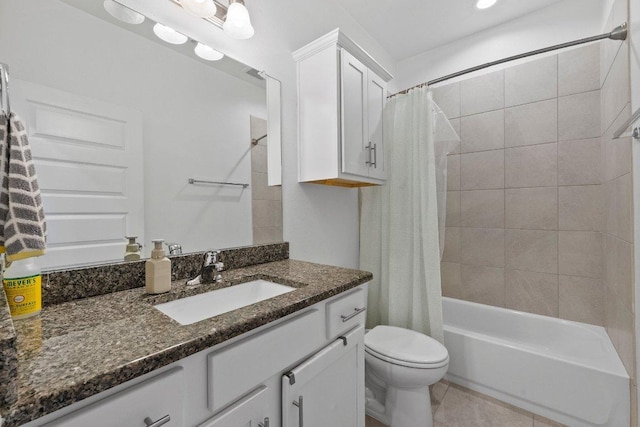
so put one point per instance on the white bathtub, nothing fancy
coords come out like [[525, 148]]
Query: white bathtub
[[566, 371]]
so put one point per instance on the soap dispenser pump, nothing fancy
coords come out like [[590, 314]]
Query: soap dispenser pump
[[132, 252], [158, 270]]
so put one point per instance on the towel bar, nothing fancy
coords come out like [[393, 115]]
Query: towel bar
[[201, 181]]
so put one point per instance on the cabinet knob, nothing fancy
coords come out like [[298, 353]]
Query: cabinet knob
[[162, 421], [265, 423]]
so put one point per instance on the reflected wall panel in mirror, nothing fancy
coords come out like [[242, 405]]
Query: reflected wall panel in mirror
[[119, 121]]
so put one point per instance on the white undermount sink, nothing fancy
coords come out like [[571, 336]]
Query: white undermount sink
[[199, 307]]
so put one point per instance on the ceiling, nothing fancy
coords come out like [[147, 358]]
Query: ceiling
[[405, 28]]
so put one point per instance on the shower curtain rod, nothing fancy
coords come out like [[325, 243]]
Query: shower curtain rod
[[618, 33]]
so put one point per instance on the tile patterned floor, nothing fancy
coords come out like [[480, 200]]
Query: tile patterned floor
[[454, 406]]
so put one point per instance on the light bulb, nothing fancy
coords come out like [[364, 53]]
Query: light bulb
[[485, 4], [238, 23], [207, 53], [200, 8], [123, 13], [169, 35]]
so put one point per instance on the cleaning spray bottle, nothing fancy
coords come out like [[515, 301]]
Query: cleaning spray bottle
[[22, 281]]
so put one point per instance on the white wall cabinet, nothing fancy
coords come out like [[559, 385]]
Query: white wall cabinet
[[238, 383], [341, 97]]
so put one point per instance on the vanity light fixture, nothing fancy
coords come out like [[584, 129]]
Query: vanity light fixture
[[485, 4], [169, 35], [207, 53], [238, 24], [123, 13], [200, 8]]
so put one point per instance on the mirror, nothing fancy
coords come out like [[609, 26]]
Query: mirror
[[120, 121]]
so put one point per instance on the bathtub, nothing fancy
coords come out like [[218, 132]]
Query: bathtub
[[566, 371]]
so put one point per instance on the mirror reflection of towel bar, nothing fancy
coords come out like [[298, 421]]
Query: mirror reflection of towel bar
[[201, 181], [626, 124], [255, 141]]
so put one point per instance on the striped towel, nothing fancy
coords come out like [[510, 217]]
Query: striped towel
[[23, 229]]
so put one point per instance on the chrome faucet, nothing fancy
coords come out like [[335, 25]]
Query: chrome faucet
[[210, 271], [174, 248]]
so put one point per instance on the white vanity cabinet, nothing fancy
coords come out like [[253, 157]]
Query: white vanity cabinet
[[341, 97], [155, 402], [239, 383]]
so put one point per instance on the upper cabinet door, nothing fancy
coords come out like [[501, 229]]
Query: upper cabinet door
[[355, 138], [377, 90]]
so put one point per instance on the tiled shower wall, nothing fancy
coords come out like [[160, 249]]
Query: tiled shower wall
[[524, 204], [617, 182]]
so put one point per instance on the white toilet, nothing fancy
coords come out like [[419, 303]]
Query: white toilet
[[400, 366]]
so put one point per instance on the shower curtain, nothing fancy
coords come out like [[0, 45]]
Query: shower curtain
[[399, 230]]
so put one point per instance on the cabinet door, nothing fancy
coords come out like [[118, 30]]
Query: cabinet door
[[354, 136], [249, 411], [377, 90], [327, 389], [155, 400]]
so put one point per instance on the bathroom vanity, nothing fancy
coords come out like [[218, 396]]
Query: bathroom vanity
[[115, 360]]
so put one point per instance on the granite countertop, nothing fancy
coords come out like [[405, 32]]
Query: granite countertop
[[79, 348]]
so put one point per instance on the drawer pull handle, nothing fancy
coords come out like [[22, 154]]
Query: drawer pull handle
[[298, 403], [265, 424], [162, 421], [354, 314]]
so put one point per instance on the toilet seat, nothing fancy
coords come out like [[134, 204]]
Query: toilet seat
[[404, 347]]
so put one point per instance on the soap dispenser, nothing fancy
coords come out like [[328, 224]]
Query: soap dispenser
[[158, 270], [132, 252]]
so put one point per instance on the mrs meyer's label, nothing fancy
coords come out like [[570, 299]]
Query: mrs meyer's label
[[24, 295]]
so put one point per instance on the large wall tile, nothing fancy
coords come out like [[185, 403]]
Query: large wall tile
[[482, 208], [579, 70], [531, 124], [453, 209], [580, 254], [448, 99], [531, 81], [579, 162], [481, 132], [616, 153], [624, 207], [484, 285], [482, 246], [532, 208], [482, 171], [455, 145], [581, 299], [615, 91], [450, 279], [580, 208], [482, 93], [453, 172], [535, 166], [532, 292], [532, 250], [451, 244], [579, 116]]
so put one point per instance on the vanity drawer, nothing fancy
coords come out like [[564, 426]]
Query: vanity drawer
[[346, 312], [236, 369], [160, 397], [251, 410]]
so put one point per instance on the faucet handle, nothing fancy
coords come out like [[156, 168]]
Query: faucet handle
[[219, 266]]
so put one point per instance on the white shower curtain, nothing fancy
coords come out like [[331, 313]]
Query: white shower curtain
[[399, 238]]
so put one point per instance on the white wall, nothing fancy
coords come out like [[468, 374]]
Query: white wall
[[196, 119], [320, 222], [559, 23]]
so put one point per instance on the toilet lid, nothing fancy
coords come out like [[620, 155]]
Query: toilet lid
[[400, 345]]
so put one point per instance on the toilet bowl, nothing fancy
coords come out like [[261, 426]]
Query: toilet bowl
[[400, 365]]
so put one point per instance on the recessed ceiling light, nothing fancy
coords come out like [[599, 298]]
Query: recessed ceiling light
[[169, 35], [485, 4], [207, 53], [123, 13]]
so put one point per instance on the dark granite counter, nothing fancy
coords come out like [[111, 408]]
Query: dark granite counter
[[78, 348]]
